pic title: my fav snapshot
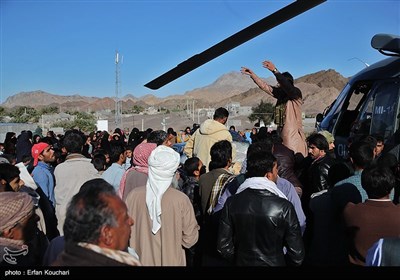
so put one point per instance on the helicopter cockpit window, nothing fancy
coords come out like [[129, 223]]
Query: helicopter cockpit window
[[351, 108], [378, 115], [385, 108]]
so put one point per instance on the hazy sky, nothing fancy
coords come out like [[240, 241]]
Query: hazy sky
[[68, 47]]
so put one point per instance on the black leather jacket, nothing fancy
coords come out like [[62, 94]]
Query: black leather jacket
[[318, 174], [254, 227]]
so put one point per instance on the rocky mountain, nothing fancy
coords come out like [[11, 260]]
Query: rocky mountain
[[319, 90], [324, 79]]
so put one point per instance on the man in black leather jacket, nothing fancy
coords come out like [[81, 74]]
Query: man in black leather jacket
[[258, 222]]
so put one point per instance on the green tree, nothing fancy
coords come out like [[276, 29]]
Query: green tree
[[137, 109], [23, 114], [3, 111], [263, 111], [83, 121], [48, 110], [85, 125]]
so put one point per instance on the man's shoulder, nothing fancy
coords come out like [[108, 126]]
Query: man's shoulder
[[173, 196]]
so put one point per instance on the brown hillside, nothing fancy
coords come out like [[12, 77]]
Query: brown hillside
[[319, 90], [324, 79]]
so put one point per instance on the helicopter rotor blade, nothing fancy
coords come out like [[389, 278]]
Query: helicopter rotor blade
[[290, 11]]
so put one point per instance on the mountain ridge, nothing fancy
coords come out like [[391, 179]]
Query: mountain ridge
[[319, 89]]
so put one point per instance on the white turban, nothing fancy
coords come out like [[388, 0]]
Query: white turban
[[163, 162]]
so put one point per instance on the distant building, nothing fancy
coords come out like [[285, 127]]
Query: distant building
[[151, 110], [245, 110], [233, 108], [52, 118]]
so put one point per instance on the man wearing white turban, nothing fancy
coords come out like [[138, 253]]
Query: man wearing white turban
[[165, 220]]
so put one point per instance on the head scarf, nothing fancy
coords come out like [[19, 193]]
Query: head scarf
[[140, 157], [14, 207], [163, 162]]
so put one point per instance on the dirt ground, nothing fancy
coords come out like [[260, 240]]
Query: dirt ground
[[180, 120]]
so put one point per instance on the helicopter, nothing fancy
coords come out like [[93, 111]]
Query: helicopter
[[369, 102]]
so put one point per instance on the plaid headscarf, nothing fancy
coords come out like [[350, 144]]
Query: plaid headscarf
[[14, 207], [140, 161], [141, 156]]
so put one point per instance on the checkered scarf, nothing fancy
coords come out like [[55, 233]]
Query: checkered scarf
[[140, 161], [218, 189], [14, 207]]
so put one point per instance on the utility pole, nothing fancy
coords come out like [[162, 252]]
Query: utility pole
[[193, 111], [118, 111]]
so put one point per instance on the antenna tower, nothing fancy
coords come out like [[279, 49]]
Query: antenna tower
[[118, 109]]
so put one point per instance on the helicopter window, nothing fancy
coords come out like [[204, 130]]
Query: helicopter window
[[385, 109], [378, 115], [364, 124], [351, 108]]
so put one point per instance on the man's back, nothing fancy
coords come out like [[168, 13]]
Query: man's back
[[209, 133], [206, 183], [70, 176], [260, 222], [179, 228]]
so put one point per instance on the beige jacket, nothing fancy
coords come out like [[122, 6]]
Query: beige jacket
[[70, 176], [200, 143]]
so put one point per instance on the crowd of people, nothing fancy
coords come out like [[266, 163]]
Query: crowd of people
[[89, 200], [158, 198]]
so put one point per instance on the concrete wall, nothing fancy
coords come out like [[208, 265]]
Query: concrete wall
[[15, 127]]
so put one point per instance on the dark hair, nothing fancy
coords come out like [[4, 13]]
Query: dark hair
[[362, 153], [99, 162], [377, 181], [368, 139], [73, 141], [88, 212], [288, 76], [191, 165], [116, 149], [319, 141], [129, 148], [157, 136], [263, 135], [170, 130], [9, 157], [259, 147], [276, 139], [8, 172], [390, 161], [259, 163], [221, 154], [220, 113], [379, 137]]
